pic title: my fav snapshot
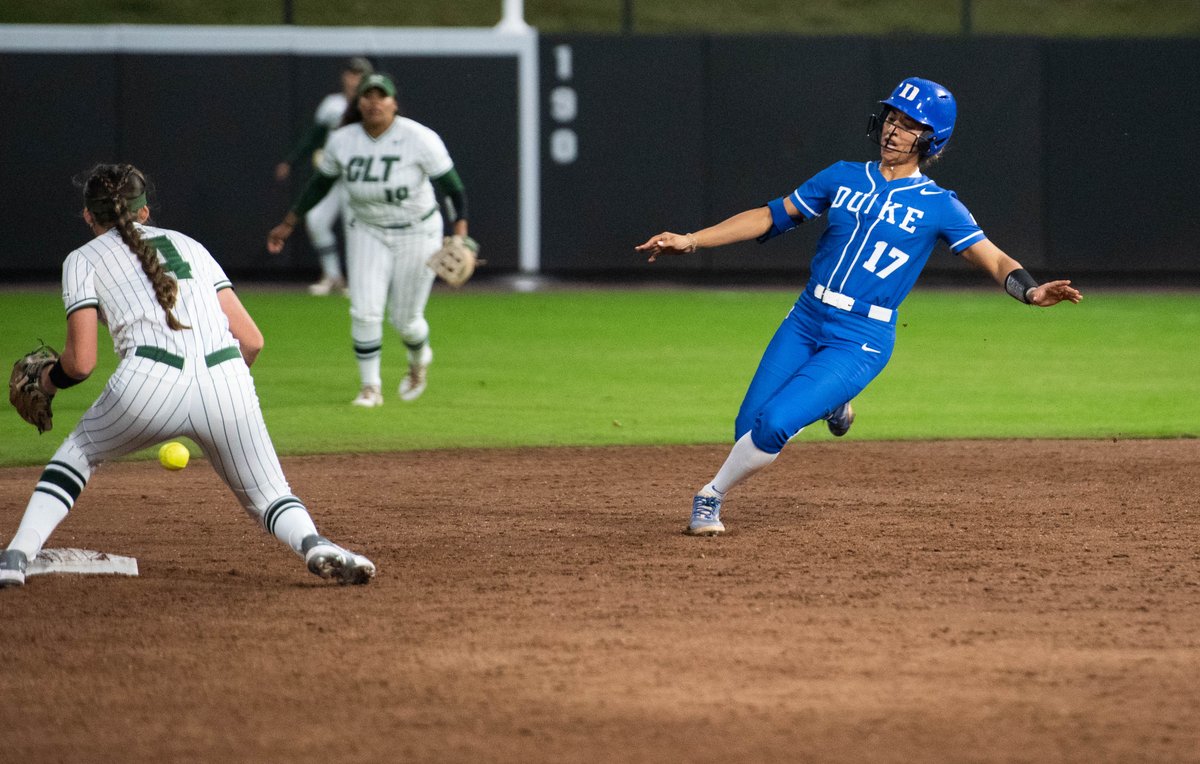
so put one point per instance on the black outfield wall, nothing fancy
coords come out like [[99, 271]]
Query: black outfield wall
[[1075, 156], [209, 130]]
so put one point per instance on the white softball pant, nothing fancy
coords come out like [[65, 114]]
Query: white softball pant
[[388, 274], [320, 220], [147, 401]]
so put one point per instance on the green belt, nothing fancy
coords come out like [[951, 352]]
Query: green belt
[[170, 359], [402, 226]]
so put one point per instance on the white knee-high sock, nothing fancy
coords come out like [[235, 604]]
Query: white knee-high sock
[[744, 460], [293, 526], [369, 370], [42, 516], [368, 349], [330, 265]]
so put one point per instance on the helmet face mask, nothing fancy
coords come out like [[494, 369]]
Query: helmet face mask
[[923, 101], [877, 122]]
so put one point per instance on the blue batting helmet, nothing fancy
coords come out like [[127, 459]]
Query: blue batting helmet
[[930, 104]]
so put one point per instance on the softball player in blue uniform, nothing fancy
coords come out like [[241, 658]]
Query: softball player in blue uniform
[[884, 219]]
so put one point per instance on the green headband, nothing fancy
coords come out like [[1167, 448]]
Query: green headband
[[105, 205]]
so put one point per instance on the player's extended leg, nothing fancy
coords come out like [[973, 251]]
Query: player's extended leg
[[369, 262], [792, 345], [833, 370], [226, 421], [320, 222], [135, 411], [790, 348], [57, 489], [853, 351], [411, 285]]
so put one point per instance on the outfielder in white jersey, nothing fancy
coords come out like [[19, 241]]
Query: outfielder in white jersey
[[186, 344], [320, 220], [389, 166]]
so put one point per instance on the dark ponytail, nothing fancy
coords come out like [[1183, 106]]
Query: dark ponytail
[[113, 194]]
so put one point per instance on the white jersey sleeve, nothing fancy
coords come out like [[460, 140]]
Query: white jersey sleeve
[[432, 155], [78, 283], [333, 156], [330, 111]]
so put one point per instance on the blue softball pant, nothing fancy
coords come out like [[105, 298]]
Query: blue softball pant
[[819, 358]]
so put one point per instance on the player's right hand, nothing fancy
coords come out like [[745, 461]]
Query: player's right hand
[[665, 243], [282, 171], [277, 237]]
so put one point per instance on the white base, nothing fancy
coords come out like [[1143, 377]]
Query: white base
[[82, 561]]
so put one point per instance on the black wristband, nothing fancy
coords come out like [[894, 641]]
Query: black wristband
[[1018, 283], [60, 378]]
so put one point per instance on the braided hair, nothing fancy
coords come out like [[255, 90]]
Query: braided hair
[[113, 194]]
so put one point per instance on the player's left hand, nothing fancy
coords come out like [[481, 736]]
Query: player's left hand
[[1054, 292], [666, 243]]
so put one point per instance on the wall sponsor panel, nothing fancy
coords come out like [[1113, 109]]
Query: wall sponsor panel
[[622, 148], [59, 119], [778, 111], [1121, 158]]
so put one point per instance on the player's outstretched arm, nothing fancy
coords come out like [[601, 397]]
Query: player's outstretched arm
[[743, 226], [318, 186], [1009, 274]]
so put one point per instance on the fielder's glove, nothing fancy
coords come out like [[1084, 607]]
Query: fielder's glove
[[25, 391], [456, 260]]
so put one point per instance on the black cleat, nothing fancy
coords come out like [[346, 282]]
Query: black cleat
[[840, 420]]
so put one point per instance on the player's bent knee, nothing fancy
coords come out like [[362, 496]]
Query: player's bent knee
[[771, 433], [414, 332]]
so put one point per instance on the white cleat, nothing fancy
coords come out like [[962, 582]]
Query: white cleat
[[330, 561], [706, 516], [13, 563], [416, 379], [369, 397], [329, 285]]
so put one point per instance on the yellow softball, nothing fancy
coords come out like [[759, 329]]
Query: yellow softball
[[173, 455]]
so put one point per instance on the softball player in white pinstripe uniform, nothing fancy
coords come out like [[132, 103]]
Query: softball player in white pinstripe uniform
[[389, 165], [320, 220], [186, 344]]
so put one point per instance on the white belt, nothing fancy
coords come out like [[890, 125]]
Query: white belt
[[846, 302]]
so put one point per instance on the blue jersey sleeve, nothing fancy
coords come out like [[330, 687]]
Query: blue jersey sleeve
[[959, 228], [815, 195]]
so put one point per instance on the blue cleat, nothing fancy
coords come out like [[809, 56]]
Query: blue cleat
[[840, 420], [706, 517]]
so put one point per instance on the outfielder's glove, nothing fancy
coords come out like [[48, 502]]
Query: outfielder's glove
[[25, 391], [456, 260]]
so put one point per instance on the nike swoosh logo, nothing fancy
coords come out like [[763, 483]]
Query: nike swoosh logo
[[868, 348], [927, 192]]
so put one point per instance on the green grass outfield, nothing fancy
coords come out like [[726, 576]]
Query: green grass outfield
[[643, 366]]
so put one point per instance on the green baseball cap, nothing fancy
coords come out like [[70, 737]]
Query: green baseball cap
[[377, 81]]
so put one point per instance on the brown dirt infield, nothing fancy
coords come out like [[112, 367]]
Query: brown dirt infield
[[1020, 601]]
